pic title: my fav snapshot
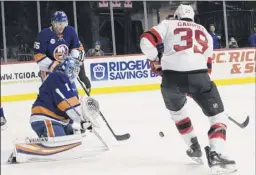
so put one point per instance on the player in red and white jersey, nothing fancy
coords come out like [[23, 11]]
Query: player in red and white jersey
[[181, 51], [187, 45]]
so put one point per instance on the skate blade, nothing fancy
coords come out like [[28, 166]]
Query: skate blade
[[227, 169], [197, 160]]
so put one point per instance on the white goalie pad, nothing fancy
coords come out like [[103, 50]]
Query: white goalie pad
[[46, 149], [90, 109], [52, 149]]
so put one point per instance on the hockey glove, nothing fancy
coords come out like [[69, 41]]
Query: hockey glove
[[78, 54], [81, 56], [90, 110], [160, 48], [209, 65], [86, 126], [156, 67]]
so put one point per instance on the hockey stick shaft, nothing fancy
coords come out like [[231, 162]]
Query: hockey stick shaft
[[95, 133], [100, 138], [117, 137], [64, 98]]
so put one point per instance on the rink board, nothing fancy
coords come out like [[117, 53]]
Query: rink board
[[20, 81]]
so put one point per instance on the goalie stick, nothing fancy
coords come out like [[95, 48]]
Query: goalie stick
[[95, 133], [117, 137]]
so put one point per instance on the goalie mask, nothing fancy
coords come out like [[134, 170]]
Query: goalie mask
[[70, 67], [184, 12]]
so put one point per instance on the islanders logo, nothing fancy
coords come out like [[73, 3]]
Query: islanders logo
[[60, 52], [99, 71]]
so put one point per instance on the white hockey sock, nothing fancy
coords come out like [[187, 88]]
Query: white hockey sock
[[217, 137], [217, 132], [186, 130]]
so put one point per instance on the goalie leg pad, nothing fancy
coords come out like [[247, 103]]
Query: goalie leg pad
[[46, 149], [68, 129], [48, 128]]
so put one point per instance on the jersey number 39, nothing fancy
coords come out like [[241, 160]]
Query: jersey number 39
[[188, 37]]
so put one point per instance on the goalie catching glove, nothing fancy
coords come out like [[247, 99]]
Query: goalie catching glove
[[89, 112]]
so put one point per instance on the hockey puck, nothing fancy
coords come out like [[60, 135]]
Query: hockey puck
[[161, 134]]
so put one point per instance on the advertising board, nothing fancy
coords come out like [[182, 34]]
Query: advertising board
[[125, 74]]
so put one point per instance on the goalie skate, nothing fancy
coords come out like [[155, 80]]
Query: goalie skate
[[12, 159], [218, 163], [195, 152]]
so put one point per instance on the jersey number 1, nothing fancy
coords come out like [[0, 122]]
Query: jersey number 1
[[188, 37], [66, 84]]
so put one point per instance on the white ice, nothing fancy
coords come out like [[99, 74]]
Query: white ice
[[143, 115]]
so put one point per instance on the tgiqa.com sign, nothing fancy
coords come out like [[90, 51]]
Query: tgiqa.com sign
[[121, 70]]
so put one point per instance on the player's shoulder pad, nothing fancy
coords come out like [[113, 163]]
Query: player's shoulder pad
[[164, 22], [45, 33], [170, 21], [167, 22], [70, 29]]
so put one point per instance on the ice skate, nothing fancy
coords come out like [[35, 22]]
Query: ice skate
[[195, 152], [12, 159], [218, 163]]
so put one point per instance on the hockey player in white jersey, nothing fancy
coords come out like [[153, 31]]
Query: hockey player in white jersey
[[181, 51]]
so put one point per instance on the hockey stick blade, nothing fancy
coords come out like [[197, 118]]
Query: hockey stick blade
[[122, 137], [241, 125]]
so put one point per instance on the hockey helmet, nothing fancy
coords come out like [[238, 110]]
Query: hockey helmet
[[184, 12], [59, 20], [70, 67]]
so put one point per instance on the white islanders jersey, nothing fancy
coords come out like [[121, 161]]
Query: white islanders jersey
[[187, 45]]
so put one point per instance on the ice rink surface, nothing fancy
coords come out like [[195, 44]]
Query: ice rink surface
[[143, 115]]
